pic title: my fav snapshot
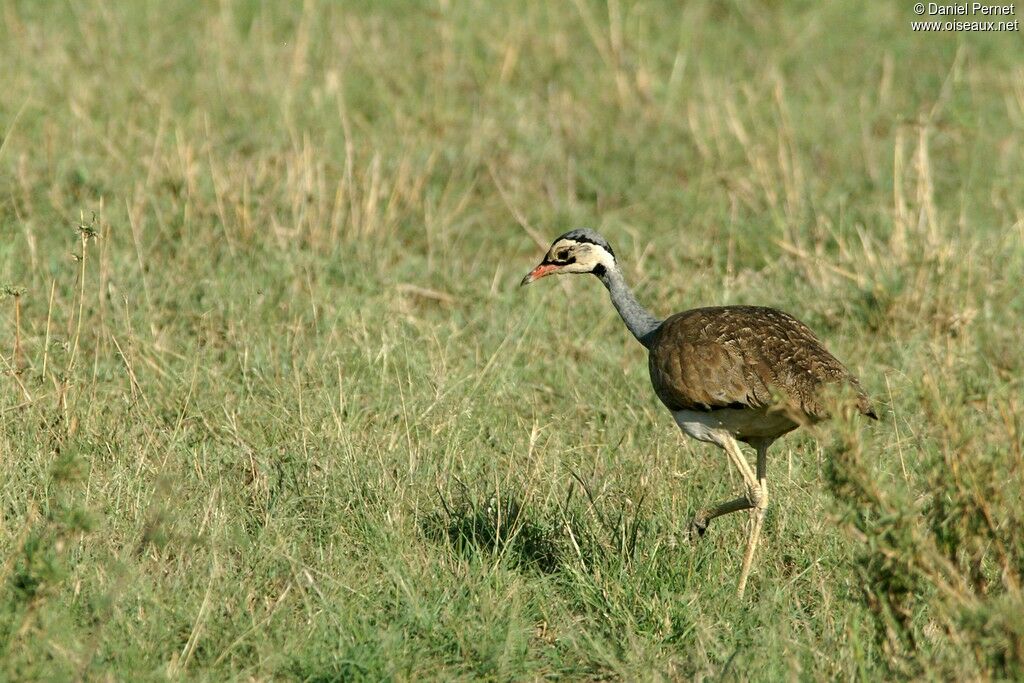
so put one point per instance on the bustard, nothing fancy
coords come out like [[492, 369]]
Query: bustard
[[727, 373]]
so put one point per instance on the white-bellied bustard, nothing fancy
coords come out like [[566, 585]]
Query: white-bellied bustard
[[727, 373]]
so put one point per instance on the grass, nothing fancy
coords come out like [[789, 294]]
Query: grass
[[274, 407]]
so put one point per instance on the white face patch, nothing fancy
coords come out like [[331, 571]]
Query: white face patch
[[578, 257]]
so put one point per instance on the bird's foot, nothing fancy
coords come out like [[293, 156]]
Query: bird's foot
[[698, 527]]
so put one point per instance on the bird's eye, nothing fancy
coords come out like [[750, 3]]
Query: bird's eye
[[562, 255]]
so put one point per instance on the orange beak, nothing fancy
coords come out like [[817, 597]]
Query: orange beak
[[538, 272]]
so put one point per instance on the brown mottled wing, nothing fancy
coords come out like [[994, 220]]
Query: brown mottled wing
[[742, 356]]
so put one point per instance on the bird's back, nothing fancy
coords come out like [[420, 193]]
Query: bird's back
[[736, 357]]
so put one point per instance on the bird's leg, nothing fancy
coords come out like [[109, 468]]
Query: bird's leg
[[760, 503], [732, 449], [700, 521]]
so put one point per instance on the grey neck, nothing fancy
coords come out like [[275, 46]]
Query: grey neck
[[637, 318]]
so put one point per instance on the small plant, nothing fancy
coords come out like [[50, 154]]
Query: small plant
[[86, 232], [35, 573], [15, 292], [502, 524], [509, 524], [950, 562]]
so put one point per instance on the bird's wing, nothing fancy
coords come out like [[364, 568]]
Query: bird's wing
[[743, 356], [696, 364]]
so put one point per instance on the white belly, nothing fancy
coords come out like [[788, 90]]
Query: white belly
[[735, 422]]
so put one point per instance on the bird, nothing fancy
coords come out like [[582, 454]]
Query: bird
[[728, 374]]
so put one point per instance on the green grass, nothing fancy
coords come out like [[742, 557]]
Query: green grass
[[273, 406]]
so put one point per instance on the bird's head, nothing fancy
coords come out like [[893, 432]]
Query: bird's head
[[577, 251]]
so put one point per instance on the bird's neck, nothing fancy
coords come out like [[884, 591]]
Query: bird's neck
[[637, 318]]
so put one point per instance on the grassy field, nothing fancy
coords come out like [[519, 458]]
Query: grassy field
[[273, 406]]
